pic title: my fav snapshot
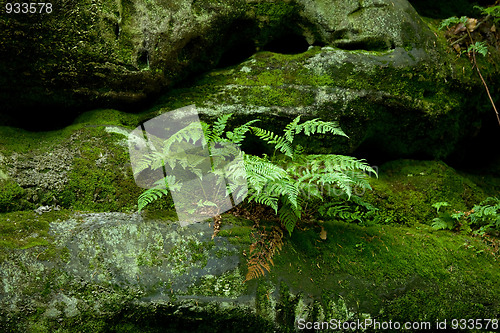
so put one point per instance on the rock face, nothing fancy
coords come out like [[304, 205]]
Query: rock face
[[92, 53], [104, 263], [99, 272], [374, 66], [367, 25]]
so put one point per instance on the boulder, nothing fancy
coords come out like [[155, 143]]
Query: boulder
[[373, 65], [393, 103], [99, 272]]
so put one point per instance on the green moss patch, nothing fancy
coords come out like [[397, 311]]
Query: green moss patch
[[378, 269], [406, 190], [100, 179], [23, 141], [11, 195], [27, 229]]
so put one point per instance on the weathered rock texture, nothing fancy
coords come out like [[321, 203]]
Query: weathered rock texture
[[93, 52], [99, 272], [381, 70]]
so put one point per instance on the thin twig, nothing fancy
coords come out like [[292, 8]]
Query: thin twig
[[485, 86], [458, 40], [484, 82]]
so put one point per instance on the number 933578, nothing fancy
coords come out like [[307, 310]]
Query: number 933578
[[28, 7]]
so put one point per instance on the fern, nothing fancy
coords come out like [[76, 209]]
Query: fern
[[358, 211], [280, 143], [321, 127], [280, 182], [483, 217], [277, 182], [486, 215], [239, 133], [160, 189], [218, 128], [479, 47], [438, 205], [493, 11], [452, 21], [191, 133], [266, 245], [149, 196], [439, 223], [289, 215]]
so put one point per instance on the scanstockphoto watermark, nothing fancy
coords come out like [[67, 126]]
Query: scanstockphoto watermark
[[373, 324], [171, 152], [361, 325]]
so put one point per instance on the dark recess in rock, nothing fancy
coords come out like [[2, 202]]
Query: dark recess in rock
[[446, 8], [143, 59], [366, 45], [288, 43], [236, 54], [484, 155]]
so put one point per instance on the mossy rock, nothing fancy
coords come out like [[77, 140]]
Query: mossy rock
[[121, 53], [84, 166], [393, 83], [392, 103], [113, 271], [11, 195], [407, 189]]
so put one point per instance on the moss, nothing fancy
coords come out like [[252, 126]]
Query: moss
[[265, 300], [24, 229], [229, 284], [285, 309], [31, 141], [100, 179], [11, 195], [274, 11], [390, 267], [158, 213], [392, 100], [406, 190], [108, 117], [238, 234]]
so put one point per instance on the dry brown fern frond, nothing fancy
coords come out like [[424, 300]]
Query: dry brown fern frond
[[262, 251], [217, 221]]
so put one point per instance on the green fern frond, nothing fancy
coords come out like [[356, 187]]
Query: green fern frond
[[487, 213], [289, 215], [219, 127], [321, 127], [290, 129], [207, 130], [149, 196], [262, 169], [153, 160], [439, 224], [265, 199], [168, 182], [191, 133], [280, 143], [285, 147], [265, 135], [285, 188], [239, 133]]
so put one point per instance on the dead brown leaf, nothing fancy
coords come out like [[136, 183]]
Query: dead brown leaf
[[322, 234]]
